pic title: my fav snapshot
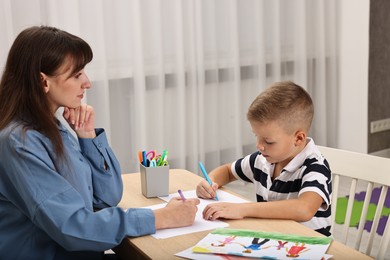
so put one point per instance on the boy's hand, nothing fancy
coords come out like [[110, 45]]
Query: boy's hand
[[205, 191], [223, 210]]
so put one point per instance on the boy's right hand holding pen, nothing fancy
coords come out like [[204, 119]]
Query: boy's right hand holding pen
[[206, 189]]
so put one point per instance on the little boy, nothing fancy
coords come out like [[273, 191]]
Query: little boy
[[292, 179]]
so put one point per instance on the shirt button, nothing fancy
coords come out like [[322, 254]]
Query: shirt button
[[99, 145], [81, 159], [89, 187]]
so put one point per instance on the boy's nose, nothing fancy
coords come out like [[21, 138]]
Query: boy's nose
[[260, 147]]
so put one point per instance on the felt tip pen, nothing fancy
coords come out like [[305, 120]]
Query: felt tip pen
[[207, 177], [181, 195], [144, 159]]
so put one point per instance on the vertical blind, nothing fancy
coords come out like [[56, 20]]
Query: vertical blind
[[180, 74]]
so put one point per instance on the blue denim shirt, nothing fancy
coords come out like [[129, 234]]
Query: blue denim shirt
[[47, 203]]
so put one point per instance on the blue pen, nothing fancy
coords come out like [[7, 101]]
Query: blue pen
[[153, 163], [144, 159], [207, 177]]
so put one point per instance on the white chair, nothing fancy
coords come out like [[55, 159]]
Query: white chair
[[360, 167]]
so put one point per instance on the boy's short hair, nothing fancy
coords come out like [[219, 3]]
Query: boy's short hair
[[285, 102]]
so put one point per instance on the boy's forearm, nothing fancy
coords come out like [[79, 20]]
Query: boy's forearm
[[284, 209], [222, 175]]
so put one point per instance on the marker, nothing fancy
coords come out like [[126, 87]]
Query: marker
[[207, 177], [144, 159], [164, 157], [181, 195]]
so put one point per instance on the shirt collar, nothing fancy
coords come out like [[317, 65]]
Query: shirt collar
[[300, 158], [61, 126]]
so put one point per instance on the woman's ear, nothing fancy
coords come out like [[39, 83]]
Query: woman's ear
[[44, 82], [300, 138]]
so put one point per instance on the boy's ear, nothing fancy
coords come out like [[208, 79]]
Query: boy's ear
[[44, 83], [300, 138]]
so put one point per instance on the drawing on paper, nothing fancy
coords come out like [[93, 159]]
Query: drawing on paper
[[247, 243]]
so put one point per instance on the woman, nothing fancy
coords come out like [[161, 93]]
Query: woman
[[58, 195]]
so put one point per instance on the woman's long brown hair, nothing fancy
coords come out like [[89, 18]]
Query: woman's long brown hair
[[22, 97]]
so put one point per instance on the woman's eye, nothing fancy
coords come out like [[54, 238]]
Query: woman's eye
[[77, 75], [269, 143]]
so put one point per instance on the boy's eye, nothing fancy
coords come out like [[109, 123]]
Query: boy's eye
[[269, 143], [77, 75]]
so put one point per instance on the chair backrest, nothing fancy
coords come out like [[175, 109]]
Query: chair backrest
[[373, 170]]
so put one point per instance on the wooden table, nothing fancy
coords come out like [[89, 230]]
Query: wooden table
[[148, 247]]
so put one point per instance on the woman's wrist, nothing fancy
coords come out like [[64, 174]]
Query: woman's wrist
[[160, 218], [82, 134]]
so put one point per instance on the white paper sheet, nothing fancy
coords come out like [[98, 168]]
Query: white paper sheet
[[223, 196], [200, 224]]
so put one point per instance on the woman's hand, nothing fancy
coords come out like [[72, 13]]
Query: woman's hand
[[223, 210], [177, 213], [205, 191], [82, 120]]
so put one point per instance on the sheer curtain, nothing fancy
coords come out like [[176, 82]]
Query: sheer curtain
[[180, 74]]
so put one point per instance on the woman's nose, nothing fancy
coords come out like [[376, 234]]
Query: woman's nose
[[87, 83]]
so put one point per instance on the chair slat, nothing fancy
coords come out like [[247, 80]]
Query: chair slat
[[376, 219], [335, 193], [363, 216], [383, 246], [348, 215]]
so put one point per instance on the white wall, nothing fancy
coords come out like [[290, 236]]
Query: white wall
[[353, 81]]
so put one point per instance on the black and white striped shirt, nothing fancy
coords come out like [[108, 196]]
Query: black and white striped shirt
[[307, 171]]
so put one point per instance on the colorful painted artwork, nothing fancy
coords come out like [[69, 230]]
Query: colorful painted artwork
[[248, 243]]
